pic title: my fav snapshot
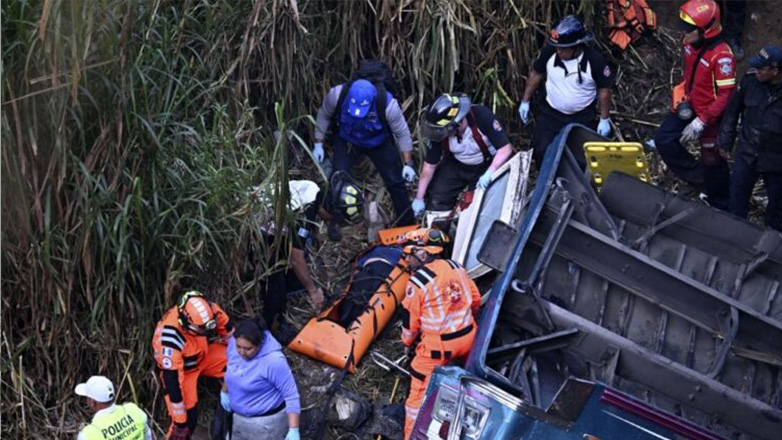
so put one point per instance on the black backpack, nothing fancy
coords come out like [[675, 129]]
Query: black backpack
[[379, 74]]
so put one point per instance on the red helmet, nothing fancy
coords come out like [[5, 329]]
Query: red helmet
[[702, 14]]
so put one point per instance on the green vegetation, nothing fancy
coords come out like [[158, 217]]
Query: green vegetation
[[132, 130]]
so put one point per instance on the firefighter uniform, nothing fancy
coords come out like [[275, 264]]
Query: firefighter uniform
[[709, 82], [440, 304], [183, 357]]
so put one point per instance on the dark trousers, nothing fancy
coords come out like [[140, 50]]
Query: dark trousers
[[450, 178], [734, 13], [388, 163], [711, 171], [745, 174], [550, 122]]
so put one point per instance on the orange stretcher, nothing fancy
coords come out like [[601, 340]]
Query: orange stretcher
[[332, 339]]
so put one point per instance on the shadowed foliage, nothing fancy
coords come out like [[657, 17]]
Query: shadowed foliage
[[131, 132]]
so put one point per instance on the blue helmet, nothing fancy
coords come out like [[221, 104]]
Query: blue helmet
[[569, 32]]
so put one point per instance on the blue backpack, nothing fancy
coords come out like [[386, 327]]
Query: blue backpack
[[372, 129]]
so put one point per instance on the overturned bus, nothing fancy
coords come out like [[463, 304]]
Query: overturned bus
[[628, 314]]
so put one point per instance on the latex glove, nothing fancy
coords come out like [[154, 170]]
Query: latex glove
[[179, 433], [293, 434], [225, 402], [408, 173], [604, 127], [693, 130], [418, 207], [317, 151], [485, 180], [524, 111]]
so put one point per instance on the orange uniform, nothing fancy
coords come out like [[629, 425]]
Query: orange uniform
[[440, 304], [183, 356]]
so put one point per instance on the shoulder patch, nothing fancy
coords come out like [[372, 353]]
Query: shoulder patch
[[726, 68], [725, 60], [409, 292], [607, 71], [496, 125], [167, 363]]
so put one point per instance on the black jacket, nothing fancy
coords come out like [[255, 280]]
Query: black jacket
[[760, 107]]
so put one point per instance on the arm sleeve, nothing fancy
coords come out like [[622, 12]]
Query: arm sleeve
[[326, 112], [283, 380], [225, 327], [411, 303], [730, 119], [434, 152], [489, 125], [723, 69], [601, 71], [398, 125], [540, 63]]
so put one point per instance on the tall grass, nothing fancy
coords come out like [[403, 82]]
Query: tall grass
[[131, 132]]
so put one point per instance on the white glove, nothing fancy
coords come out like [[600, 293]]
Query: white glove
[[693, 130], [317, 151], [524, 111], [225, 402], [604, 127], [293, 434], [408, 173], [418, 207], [485, 180]]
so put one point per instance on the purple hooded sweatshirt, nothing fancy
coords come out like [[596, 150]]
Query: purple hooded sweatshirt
[[260, 384]]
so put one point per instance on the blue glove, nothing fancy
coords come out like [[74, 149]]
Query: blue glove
[[317, 151], [485, 180], [408, 173], [293, 434], [418, 207], [225, 402], [604, 127], [524, 111]]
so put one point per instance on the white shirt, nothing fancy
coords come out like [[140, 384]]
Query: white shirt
[[109, 410], [466, 150], [563, 91]]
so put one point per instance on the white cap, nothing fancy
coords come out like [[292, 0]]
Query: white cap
[[97, 388]]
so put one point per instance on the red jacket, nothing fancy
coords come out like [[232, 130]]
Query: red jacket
[[714, 80]]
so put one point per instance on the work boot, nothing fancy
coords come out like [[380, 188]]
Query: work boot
[[334, 233], [735, 46]]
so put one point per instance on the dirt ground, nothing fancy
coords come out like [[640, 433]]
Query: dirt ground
[[648, 68]]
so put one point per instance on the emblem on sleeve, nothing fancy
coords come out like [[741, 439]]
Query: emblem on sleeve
[[497, 126], [607, 71]]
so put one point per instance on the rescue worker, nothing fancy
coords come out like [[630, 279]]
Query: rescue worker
[[576, 75], [700, 100], [467, 144], [758, 103], [111, 421], [440, 306], [287, 257], [189, 342], [361, 130]]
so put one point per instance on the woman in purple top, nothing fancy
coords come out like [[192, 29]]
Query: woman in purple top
[[259, 386]]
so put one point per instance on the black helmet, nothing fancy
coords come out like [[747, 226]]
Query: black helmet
[[444, 115], [347, 197], [569, 32]]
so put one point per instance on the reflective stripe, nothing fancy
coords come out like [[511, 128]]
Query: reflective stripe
[[726, 82]]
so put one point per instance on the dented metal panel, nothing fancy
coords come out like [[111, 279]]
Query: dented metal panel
[[674, 302]]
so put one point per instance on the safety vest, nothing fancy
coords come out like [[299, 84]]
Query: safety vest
[[126, 422], [367, 132], [628, 20]]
